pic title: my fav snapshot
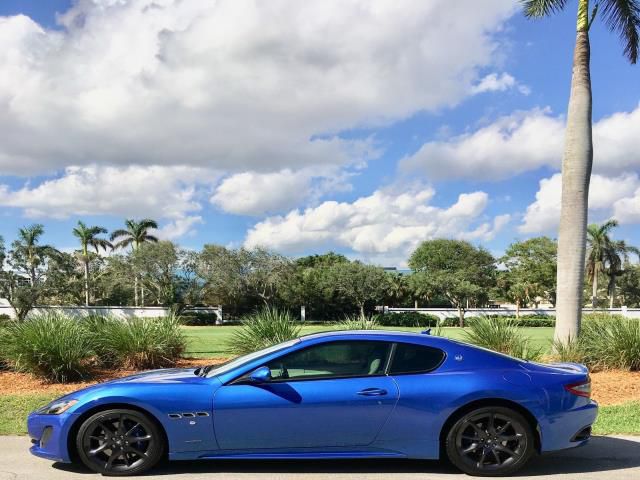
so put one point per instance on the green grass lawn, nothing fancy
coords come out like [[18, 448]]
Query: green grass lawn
[[211, 342], [616, 419]]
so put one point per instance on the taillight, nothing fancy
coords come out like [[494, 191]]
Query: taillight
[[582, 389]]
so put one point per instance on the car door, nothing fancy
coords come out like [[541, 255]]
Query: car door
[[331, 394]]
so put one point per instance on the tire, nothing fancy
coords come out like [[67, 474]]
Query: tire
[[120, 442], [490, 441]]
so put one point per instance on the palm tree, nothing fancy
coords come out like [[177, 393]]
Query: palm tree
[[622, 16], [89, 238], [135, 235], [28, 250], [616, 257], [599, 247]]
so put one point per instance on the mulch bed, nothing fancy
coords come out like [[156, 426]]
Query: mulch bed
[[12, 383], [608, 388]]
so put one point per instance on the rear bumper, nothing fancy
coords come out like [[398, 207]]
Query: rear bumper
[[49, 436], [568, 429]]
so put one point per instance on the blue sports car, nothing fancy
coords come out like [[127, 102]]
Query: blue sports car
[[365, 394]]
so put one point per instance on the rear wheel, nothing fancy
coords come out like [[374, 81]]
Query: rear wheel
[[490, 441], [119, 442]]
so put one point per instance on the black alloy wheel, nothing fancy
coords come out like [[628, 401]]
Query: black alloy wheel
[[490, 441], [119, 442]]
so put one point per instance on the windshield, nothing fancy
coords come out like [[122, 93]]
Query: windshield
[[237, 362]]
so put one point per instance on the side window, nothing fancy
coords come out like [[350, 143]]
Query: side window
[[411, 358], [334, 359]]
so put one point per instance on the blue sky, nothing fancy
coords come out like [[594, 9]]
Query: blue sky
[[303, 127]]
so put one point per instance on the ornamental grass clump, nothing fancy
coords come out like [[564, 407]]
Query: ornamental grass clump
[[611, 342], [54, 346], [139, 343], [501, 335], [358, 322], [263, 329]]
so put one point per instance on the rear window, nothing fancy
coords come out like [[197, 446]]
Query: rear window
[[411, 358]]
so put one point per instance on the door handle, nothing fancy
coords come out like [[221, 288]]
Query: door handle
[[372, 392]]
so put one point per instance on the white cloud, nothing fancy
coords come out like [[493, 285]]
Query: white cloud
[[609, 195], [168, 193], [512, 144], [525, 141], [385, 224], [499, 83], [254, 193], [235, 85]]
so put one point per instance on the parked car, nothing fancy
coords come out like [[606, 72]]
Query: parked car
[[369, 394]]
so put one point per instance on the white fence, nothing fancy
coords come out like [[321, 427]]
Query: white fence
[[476, 312], [118, 312]]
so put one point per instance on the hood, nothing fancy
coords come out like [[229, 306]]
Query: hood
[[167, 375]]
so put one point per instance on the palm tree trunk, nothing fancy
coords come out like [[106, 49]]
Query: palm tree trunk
[[576, 175], [135, 289], [612, 290], [518, 308], [594, 289], [86, 282]]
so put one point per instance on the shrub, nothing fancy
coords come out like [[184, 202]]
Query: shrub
[[358, 322], [138, 343], [54, 346], [501, 335], [611, 341], [407, 319], [262, 329], [534, 320]]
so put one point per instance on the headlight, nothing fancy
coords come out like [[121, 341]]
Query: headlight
[[57, 407]]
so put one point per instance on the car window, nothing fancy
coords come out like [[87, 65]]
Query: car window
[[412, 358], [332, 360], [238, 362]]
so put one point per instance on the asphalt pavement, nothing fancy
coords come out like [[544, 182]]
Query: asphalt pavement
[[604, 458]]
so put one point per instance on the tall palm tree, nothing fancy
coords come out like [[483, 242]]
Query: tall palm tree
[[27, 248], [599, 248], [135, 235], [89, 238], [623, 16], [616, 257]]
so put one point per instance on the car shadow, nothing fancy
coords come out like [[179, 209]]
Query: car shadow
[[600, 454]]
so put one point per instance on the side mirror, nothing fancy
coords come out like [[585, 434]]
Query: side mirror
[[260, 375]]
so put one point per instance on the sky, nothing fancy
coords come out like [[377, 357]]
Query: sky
[[358, 126]]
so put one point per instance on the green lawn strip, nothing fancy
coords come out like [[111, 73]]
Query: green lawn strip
[[15, 408], [618, 419], [211, 342], [615, 419]]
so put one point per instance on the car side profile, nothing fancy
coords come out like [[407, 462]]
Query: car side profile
[[353, 394]]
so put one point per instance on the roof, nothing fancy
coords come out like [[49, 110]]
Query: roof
[[387, 334]]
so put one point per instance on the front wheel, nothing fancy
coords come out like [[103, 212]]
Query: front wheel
[[490, 441], [119, 442]]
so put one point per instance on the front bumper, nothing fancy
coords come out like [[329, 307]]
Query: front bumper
[[568, 429], [49, 435]]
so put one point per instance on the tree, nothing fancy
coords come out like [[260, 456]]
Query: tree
[[599, 246], [622, 16], [455, 269], [629, 285], [158, 265], [617, 256], [266, 273], [89, 238], [24, 285], [422, 287], [27, 255], [530, 271], [135, 235], [362, 284]]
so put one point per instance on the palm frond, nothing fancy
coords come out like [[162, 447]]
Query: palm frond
[[150, 238], [147, 223], [123, 243], [119, 233], [623, 16], [542, 8]]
